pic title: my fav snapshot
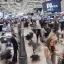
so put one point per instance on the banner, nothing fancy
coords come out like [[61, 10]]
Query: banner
[[52, 6]]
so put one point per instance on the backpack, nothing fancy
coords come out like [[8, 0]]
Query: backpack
[[35, 57]]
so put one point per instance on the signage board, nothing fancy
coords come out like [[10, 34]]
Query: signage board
[[52, 6]]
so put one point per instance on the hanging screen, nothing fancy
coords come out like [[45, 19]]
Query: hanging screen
[[1, 14], [52, 6]]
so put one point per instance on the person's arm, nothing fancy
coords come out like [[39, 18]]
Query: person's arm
[[45, 31], [0, 48], [46, 53], [61, 56], [58, 54]]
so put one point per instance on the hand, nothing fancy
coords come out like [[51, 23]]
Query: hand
[[61, 55]]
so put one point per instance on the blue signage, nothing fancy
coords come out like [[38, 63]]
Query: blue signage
[[48, 17], [52, 6]]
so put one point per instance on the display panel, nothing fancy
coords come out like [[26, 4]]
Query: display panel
[[48, 17], [52, 6], [61, 20], [1, 14]]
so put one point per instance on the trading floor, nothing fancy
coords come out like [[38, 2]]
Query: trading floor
[[15, 28], [31, 31], [40, 50], [29, 49]]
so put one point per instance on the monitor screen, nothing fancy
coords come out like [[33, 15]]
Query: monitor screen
[[61, 20], [48, 17], [1, 14]]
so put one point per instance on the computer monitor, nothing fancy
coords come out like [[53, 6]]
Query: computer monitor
[[1, 14]]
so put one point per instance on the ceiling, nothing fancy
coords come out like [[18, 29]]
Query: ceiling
[[10, 6], [18, 6]]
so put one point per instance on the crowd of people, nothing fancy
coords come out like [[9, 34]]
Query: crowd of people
[[8, 41], [47, 31]]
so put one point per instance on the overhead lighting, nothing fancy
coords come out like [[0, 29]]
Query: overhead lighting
[[20, 13]]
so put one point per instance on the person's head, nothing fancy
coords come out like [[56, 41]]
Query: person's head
[[51, 41], [1, 19]]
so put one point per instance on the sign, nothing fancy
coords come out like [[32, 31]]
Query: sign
[[1, 14], [52, 6]]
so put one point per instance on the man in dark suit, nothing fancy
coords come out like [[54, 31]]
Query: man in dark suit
[[15, 47]]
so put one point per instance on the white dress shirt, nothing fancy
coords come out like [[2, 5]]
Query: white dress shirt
[[34, 38]]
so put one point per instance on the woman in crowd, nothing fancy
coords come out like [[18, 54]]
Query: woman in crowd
[[50, 50]]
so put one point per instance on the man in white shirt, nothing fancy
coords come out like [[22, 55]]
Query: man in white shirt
[[34, 40], [38, 28]]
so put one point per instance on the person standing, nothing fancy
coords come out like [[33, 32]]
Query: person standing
[[50, 50], [56, 28], [15, 47], [42, 38], [34, 40], [38, 29]]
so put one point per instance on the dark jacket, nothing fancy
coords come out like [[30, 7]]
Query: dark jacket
[[56, 26], [15, 45]]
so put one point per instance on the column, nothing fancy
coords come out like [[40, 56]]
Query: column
[[22, 51]]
